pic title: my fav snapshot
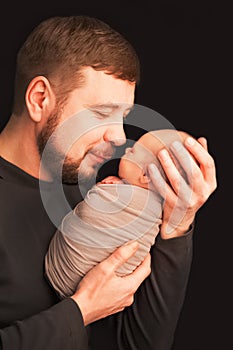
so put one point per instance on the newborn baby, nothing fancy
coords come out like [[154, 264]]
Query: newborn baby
[[113, 212]]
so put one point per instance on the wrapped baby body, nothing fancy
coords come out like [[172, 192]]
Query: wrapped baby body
[[109, 216]]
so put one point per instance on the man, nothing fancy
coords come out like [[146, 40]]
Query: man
[[70, 66]]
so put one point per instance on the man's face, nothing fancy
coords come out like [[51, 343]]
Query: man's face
[[89, 126]]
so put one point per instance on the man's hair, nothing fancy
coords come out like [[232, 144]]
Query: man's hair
[[60, 46]]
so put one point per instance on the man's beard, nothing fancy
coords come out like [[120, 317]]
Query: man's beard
[[73, 171]]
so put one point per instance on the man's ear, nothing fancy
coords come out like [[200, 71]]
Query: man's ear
[[39, 98]]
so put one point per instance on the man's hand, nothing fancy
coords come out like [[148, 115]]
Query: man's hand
[[101, 293], [184, 195]]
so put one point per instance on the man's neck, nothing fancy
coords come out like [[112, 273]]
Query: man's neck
[[18, 146]]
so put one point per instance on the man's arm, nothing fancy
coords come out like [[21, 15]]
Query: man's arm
[[99, 294], [151, 321], [102, 293], [57, 328]]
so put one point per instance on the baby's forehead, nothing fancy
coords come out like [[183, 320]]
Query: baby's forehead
[[161, 138], [150, 142]]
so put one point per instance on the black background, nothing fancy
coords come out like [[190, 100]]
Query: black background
[[185, 53]]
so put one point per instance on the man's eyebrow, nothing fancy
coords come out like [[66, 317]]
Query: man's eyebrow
[[112, 106]]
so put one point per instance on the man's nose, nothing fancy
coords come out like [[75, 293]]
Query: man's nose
[[115, 134]]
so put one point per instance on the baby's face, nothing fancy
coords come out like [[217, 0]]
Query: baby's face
[[133, 164]]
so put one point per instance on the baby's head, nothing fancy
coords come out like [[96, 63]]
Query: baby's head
[[133, 164]]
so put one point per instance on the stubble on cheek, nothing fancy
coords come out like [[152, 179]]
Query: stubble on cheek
[[69, 168]]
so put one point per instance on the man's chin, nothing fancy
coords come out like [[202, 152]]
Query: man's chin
[[81, 176], [74, 172], [87, 174]]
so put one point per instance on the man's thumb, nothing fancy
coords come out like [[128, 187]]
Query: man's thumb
[[122, 254]]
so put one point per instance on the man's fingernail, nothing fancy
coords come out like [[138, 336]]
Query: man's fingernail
[[176, 145], [190, 141], [163, 155]]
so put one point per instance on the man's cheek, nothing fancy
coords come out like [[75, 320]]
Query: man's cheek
[[76, 151]]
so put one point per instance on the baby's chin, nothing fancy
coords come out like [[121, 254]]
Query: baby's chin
[[121, 169]]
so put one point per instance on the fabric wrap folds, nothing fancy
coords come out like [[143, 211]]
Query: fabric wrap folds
[[108, 217]]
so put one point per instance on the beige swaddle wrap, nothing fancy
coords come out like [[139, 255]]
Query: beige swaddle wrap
[[110, 215]]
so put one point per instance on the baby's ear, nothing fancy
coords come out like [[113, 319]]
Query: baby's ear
[[144, 179]]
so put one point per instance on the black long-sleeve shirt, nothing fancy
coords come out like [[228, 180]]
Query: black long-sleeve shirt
[[32, 317]]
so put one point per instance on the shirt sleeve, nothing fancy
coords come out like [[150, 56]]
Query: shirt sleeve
[[150, 322], [57, 328]]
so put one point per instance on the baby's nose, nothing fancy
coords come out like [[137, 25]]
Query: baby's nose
[[128, 149]]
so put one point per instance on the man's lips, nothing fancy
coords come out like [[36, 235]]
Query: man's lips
[[100, 158]]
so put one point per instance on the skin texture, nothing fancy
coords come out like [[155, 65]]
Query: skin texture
[[183, 199], [160, 160], [106, 100], [101, 104], [133, 164], [102, 93], [187, 179]]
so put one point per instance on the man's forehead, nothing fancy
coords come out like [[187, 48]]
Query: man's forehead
[[100, 86]]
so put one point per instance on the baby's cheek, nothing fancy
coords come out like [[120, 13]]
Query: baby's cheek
[[121, 169]]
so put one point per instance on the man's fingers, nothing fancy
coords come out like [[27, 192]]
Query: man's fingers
[[159, 183], [140, 273], [174, 175], [179, 188], [205, 160], [203, 142], [120, 255]]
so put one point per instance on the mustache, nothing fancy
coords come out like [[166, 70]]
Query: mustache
[[104, 151]]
